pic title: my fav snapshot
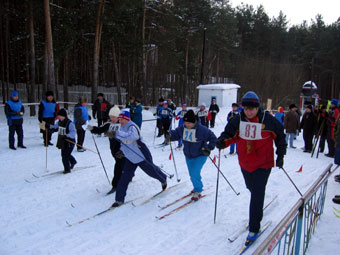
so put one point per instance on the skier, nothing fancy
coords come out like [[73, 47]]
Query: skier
[[100, 109], [214, 110], [166, 117], [321, 127], [204, 115], [231, 114], [118, 155], [136, 112], [333, 115], [198, 142], [280, 115], [255, 130], [158, 114], [66, 139], [336, 199], [14, 111], [47, 114], [291, 124], [308, 124], [179, 117], [136, 153], [81, 118]]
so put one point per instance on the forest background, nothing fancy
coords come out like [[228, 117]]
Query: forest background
[[146, 47]]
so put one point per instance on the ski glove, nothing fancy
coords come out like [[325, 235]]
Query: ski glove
[[119, 154], [111, 134], [220, 144], [205, 151], [279, 161]]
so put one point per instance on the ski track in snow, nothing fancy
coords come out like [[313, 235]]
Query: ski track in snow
[[33, 215]]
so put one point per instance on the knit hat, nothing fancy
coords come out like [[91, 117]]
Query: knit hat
[[161, 100], [114, 111], [292, 106], [234, 105], [203, 104], [165, 102], [14, 93], [310, 107], [125, 114], [280, 109], [62, 112], [335, 101], [190, 116], [100, 95], [184, 105], [49, 93], [250, 99], [138, 100]]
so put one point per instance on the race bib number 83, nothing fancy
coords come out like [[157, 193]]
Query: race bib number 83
[[250, 130]]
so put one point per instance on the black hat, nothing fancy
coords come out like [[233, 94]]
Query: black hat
[[100, 95], [292, 106], [323, 107], [161, 100], [49, 93], [62, 112], [190, 116], [250, 99], [310, 107], [234, 105], [138, 100]]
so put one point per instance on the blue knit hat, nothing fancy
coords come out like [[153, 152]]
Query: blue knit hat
[[250, 99], [335, 101], [14, 93], [125, 114]]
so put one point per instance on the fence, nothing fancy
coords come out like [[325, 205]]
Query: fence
[[293, 234]]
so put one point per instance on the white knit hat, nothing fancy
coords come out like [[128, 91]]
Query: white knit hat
[[114, 111]]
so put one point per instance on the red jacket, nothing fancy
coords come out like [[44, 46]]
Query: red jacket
[[257, 150]]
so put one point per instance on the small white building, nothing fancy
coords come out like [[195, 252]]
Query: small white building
[[224, 93]]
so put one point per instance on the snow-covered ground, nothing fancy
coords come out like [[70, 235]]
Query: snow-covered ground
[[33, 215]]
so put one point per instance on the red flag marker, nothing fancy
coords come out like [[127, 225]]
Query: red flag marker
[[214, 160], [300, 170], [170, 156]]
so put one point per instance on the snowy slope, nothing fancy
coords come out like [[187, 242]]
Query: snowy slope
[[33, 215]]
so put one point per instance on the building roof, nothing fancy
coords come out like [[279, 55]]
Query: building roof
[[220, 86]]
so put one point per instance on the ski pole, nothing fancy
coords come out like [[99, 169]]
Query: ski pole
[[100, 158], [154, 136], [291, 181], [173, 159], [217, 181], [46, 134], [87, 149], [166, 173], [225, 178]]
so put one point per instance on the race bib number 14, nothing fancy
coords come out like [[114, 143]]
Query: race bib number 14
[[250, 130], [189, 135]]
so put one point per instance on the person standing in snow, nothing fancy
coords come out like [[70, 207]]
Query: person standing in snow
[[336, 199], [255, 131], [100, 109], [136, 111], [291, 124], [203, 115], [333, 115], [280, 115], [198, 141], [231, 114], [214, 110], [81, 118], [14, 111], [158, 114], [308, 124], [117, 154], [136, 153], [47, 114], [179, 117], [321, 127], [166, 117], [66, 139]]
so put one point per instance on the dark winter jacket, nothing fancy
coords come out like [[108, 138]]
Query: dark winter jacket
[[321, 125], [47, 111], [255, 152], [100, 109], [114, 144], [308, 123], [80, 115], [214, 108], [66, 131], [291, 122], [137, 117], [195, 140]]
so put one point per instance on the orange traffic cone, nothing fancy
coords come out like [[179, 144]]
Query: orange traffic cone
[[214, 160], [300, 170], [170, 156]]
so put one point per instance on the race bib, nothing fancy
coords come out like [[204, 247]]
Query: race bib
[[202, 114], [114, 127], [189, 135], [182, 114], [164, 112], [250, 130], [62, 130]]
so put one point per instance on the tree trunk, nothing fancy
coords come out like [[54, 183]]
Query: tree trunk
[[144, 85], [186, 84], [99, 26], [116, 73], [7, 53], [2, 59], [66, 79], [49, 45], [31, 96]]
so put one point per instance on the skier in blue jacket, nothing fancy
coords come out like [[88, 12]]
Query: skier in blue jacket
[[198, 141], [136, 153], [14, 111], [179, 117], [136, 112]]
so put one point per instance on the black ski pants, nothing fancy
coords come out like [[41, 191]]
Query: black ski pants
[[16, 128], [80, 137], [66, 156], [308, 139], [256, 183], [117, 172], [213, 117]]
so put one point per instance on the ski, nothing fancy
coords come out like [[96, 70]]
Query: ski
[[336, 215], [246, 246], [336, 210], [158, 194], [174, 202], [246, 225], [179, 208], [100, 213]]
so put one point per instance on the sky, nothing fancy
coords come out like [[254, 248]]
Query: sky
[[298, 10]]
